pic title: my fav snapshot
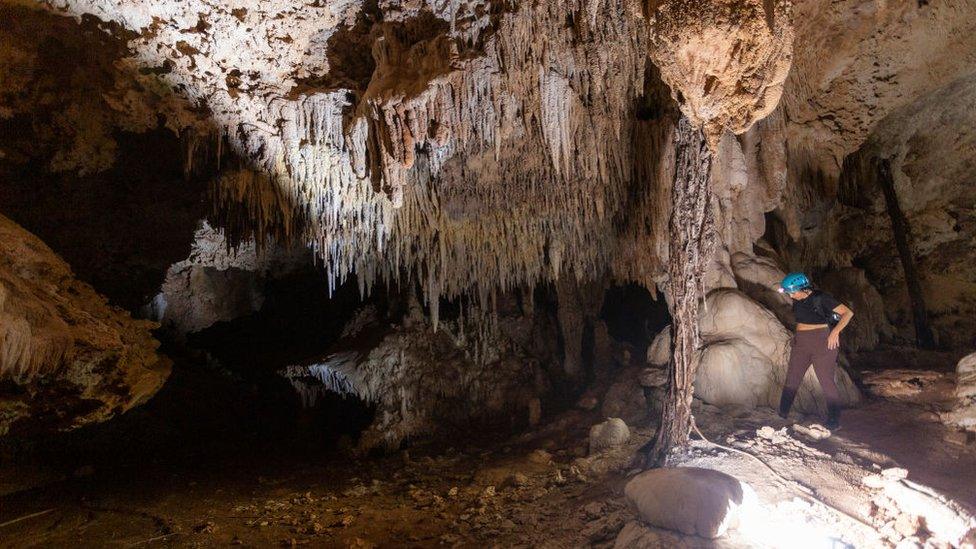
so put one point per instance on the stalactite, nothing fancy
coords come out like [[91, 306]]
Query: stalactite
[[432, 168], [690, 249]]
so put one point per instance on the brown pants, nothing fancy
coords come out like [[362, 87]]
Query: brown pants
[[810, 347]]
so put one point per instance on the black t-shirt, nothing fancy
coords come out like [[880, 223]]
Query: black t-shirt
[[806, 311]]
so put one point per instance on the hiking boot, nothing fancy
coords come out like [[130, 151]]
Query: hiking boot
[[786, 402], [833, 418]]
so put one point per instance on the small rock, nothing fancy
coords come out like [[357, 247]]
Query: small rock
[[814, 432], [558, 478], [772, 435], [593, 509], [895, 473], [611, 433], [874, 481], [841, 457], [356, 491], [907, 525], [205, 528]]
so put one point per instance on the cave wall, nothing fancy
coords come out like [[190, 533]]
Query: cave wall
[[67, 358]]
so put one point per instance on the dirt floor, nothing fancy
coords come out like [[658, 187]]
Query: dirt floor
[[516, 494], [539, 489]]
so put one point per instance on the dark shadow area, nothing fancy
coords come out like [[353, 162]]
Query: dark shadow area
[[633, 315], [119, 229], [224, 406]]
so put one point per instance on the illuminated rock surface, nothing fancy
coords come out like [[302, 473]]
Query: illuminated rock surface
[[67, 358]]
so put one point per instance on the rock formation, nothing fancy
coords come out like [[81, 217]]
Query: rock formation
[[693, 501], [424, 382], [67, 358], [217, 282], [476, 149], [725, 61]]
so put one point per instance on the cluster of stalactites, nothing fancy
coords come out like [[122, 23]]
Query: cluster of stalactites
[[514, 167]]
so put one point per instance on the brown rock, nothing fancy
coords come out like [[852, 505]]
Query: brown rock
[[74, 358]]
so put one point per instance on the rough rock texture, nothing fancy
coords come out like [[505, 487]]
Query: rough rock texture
[[392, 136], [659, 351], [745, 356], [963, 412], [66, 357], [609, 434], [759, 277], [433, 105], [219, 283], [725, 61], [890, 80], [693, 501], [424, 382]]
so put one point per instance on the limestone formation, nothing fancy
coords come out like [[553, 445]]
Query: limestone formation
[[659, 351], [726, 61], [963, 411], [67, 358], [219, 283], [424, 382]]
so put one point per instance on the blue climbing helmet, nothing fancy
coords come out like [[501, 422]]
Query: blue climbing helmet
[[794, 282]]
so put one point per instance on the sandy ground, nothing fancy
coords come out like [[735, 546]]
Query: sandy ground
[[536, 490]]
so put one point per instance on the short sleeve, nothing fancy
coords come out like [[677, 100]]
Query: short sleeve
[[829, 302]]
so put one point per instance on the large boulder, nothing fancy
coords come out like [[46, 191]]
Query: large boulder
[[659, 351], [745, 357], [690, 500], [966, 377], [734, 373], [67, 358], [759, 278]]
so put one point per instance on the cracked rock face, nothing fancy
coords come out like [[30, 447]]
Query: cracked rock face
[[66, 357]]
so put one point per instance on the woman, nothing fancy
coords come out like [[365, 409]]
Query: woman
[[819, 321]]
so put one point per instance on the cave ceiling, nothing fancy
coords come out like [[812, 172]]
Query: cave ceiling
[[491, 143]]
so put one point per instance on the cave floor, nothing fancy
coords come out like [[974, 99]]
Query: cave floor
[[531, 491]]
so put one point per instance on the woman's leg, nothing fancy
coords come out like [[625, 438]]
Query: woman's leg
[[800, 358], [825, 365]]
